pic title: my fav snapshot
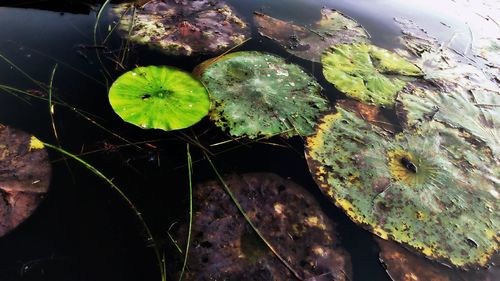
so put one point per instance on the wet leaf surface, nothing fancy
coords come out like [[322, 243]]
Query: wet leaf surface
[[367, 73], [432, 188], [309, 42], [225, 248], [183, 27], [25, 173], [159, 97], [402, 265], [257, 94]]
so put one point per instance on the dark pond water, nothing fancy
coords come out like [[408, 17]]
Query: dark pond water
[[83, 230]]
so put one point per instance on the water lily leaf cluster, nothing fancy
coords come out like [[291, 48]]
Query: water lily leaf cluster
[[367, 73], [309, 42], [226, 248], [25, 174], [155, 97], [257, 94], [184, 27], [431, 188]]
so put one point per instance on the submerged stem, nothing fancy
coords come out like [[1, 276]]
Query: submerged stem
[[188, 243]]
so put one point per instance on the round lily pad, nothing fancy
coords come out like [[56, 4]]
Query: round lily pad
[[311, 41], [184, 27], [159, 97], [25, 173], [434, 188], [367, 73], [224, 247], [258, 94]]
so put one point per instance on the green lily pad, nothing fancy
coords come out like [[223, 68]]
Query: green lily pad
[[434, 189], [257, 94], [25, 174], [224, 247], [367, 73], [159, 98], [475, 111], [309, 42], [183, 27]]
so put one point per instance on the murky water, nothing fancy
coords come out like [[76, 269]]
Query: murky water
[[83, 231]]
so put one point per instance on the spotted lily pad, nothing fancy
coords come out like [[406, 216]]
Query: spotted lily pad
[[403, 265], [183, 27], [367, 73], [25, 173], [224, 247], [258, 94], [309, 42], [433, 188], [476, 111], [159, 97]]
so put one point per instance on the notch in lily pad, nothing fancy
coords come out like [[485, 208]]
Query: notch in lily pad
[[159, 97]]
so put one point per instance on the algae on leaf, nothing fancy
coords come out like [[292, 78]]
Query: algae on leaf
[[433, 188], [257, 94], [25, 173], [159, 98], [367, 73], [183, 27], [309, 42], [226, 248]]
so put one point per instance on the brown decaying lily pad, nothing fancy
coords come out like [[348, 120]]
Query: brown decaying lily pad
[[224, 247], [25, 173], [370, 113], [309, 42], [403, 265], [183, 27]]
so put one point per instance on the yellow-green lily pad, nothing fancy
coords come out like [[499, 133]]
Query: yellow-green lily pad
[[433, 188], [367, 73], [156, 97]]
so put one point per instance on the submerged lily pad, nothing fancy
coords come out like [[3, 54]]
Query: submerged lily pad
[[25, 173], [367, 73], [224, 247], [159, 97], [432, 188], [402, 265], [183, 27], [476, 111], [311, 41], [257, 94]]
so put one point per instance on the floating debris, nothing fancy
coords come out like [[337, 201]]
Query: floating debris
[[310, 42], [25, 173], [155, 97], [258, 94], [224, 247], [432, 188], [183, 27]]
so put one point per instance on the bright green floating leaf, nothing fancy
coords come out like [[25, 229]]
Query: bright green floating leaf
[[183, 27], [159, 98], [432, 188], [476, 111], [310, 42], [257, 94], [367, 73]]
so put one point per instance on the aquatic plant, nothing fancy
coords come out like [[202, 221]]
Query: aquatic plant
[[25, 174], [367, 73], [159, 97], [309, 42], [432, 188], [225, 247], [257, 94], [183, 27]]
